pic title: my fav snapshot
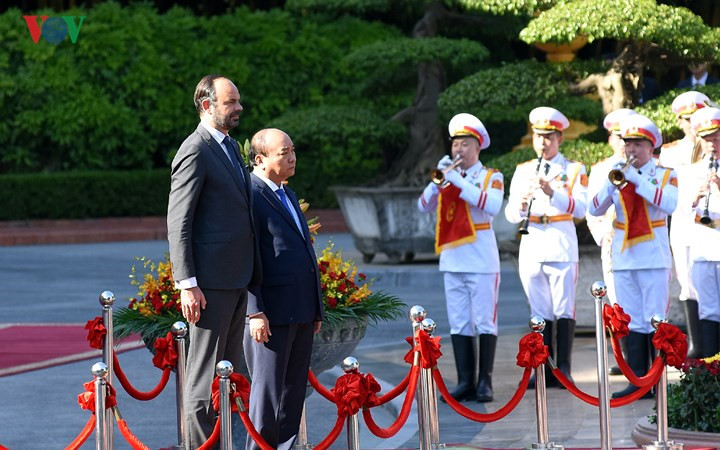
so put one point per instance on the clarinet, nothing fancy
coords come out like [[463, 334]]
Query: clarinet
[[526, 221], [705, 219]]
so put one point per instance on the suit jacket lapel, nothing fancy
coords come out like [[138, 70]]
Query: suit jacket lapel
[[295, 203], [219, 153], [274, 201]]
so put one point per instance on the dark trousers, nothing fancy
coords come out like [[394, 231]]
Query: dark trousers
[[279, 371], [215, 337]]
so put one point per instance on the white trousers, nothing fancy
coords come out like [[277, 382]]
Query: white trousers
[[471, 300], [683, 268], [706, 278], [643, 293], [550, 288]]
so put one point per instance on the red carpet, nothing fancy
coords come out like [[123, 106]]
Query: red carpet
[[25, 347]]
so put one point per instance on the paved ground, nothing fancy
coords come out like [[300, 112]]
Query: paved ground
[[60, 283]]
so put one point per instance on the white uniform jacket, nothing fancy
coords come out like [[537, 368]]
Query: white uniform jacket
[[677, 153], [549, 240], [601, 227], [660, 200], [483, 191], [704, 239]]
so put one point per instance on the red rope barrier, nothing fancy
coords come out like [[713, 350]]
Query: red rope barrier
[[312, 379], [480, 417], [404, 412], [81, 438], [212, 439], [259, 440], [130, 389], [592, 400], [657, 366], [334, 433], [394, 392], [130, 437]]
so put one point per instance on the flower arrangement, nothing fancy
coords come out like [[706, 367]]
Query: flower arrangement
[[694, 402], [346, 296], [346, 293]]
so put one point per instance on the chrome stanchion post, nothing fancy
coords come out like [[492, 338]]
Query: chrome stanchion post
[[107, 299], [537, 325], [224, 369], [428, 325], [350, 365], [99, 371], [599, 291], [662, 443], [179, 331], [417, 315]]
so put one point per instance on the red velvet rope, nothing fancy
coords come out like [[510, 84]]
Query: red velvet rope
[[334, 433], [259, 440], [213, 438], [394, 392], [404, 411], [81, 438], [130, 389], [592, 400], [480, 417], [312, 379], [616, 320], [96, 332], [657, 366], [130, 437]]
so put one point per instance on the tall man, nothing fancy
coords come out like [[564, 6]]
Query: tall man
[[469, 257], [286, 309], [212, 245], [679, 155], [703, 187], [640, 250], [548, 260]]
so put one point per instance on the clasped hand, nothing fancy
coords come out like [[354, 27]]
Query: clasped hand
[[260, 328]]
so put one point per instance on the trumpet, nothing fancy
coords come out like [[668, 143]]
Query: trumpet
[[438, 176], [617, 176], [705, 219]]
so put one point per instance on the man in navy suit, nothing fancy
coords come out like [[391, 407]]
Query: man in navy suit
[[286, 309], [699, 77]]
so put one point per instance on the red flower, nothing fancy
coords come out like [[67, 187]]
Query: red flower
[[342, 287], [332, 302], [362, 276], [672, 342], [533, 351]]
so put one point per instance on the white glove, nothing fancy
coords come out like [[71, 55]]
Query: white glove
[[632, 175], [444, 163], [454, 177]]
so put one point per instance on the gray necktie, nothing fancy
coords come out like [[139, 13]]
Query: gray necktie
[[230, 153]]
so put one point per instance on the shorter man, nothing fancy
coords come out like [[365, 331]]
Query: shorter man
[[468, 251], [286, 309], [699, 76], [548, 261], [704, 193], [640, 250]]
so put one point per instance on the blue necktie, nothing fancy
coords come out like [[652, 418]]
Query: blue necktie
[[230, 152], [283, 199]]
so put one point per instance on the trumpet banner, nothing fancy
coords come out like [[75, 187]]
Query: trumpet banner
[[454, 225]]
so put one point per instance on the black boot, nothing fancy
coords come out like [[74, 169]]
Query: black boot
[[565, 337], [615, 370], [638, 358], [548, 336], [484, 392], [465, 366], [710, 331], [692, 320]]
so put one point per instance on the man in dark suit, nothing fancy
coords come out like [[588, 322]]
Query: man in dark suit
[[699, 77], [286, 309], [213, 249]]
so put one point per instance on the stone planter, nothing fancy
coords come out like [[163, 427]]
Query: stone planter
[[646, 432]]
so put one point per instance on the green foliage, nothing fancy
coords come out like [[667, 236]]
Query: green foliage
[[694, 402], [515, 7], [675, 29], [337, 145], [506, 163], [338, 7], [79, 195], [511, 91]]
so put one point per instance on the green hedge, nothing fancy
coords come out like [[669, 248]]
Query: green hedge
[[80, 195]]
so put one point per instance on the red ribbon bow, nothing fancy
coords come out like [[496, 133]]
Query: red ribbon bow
[[429, 349], [410, 355], [96, 332], [239, 388], [672, 342], [615, 318], [165, 352], [355, 390], [86, 400], [532, 351]]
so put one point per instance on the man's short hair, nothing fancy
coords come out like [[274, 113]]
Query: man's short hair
[[258, 145], [205, 90]]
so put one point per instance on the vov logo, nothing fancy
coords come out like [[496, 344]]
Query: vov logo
[[54, 29]]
